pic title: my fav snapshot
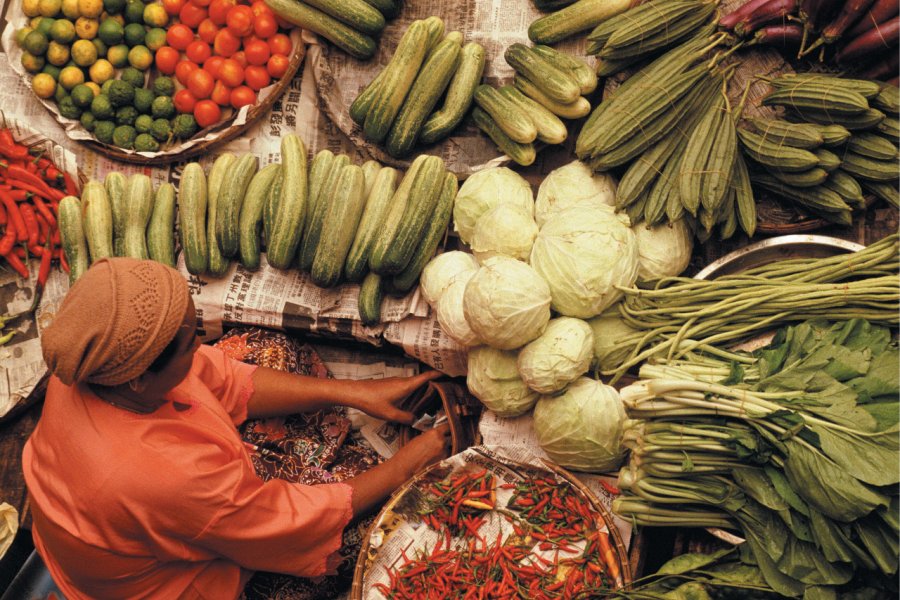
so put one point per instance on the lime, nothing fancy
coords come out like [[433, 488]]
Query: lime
[[60, 93], [21, 34], [155, 39], [44, 85], [84, 53], [120, 18], [32, 63], [52, 71], [111, 32], [57, 54], [68, 109], [155, 15], [36, 43], [114, 7], [88, 121], [82, 96], [135, 34], [62, 31], [50, 8], [101, 71], [70, 9], [86, 28], [106, 86], [101, 107], [140, 57], [118, 56], [70, 77], [143, 100], [163, 86], [134, 11], [31, 8], [89, 8], [94, 88], [132, 76], [102, 48], [143, 123]]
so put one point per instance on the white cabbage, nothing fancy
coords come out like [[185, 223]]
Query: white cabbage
[[506, 303], [485, 190], [571, 185], [440, 270], [583, 253], [450, 314], [664, 250], [609, 331], [558, 356], [582, 428], [506, 230], [494, 379]]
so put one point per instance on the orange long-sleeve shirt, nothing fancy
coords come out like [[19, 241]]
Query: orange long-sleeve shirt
[[167, 505]]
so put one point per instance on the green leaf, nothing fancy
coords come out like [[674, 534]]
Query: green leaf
[[692, 590], [781, 583], [884, 413], [831, 538], [735, 375], [882, 546], [784, 489], [873, 458], [828, 487], [758, 486], [687, 465], [818, 592], [882, 378], [689, 562]]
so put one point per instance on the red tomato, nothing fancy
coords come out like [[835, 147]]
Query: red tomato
[[192, 15], [212, 65], [256, 77], [240, 20], [166, 59], [203, 3], [280, 44], [179, 36], [207, 113], [226, 43], [183, 70], [264, 26], [218, 10], [201, 83], [242, 96], [184, 101], [172, 7], [231, 73], [240, 57], [257, 52], [260, 8], [207, 31], [198, 51], [221, 94], [277, 65]]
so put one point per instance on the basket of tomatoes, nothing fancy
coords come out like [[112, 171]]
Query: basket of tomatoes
[[152, 82]]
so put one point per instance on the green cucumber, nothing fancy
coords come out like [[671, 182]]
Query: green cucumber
[[339, 227], [290, 212], [192, 218], [378, 204], [459, 95], [161, 231], [252, 214]]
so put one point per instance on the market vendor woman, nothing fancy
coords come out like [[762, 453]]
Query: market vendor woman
[[141, 486]]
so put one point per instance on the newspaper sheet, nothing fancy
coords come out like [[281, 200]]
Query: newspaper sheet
[[394, 536], [519, 433]]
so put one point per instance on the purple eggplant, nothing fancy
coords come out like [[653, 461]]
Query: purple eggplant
[[731, 19], [787, 36], [882, 69], [881, 11], [771, 11], [875, 40]]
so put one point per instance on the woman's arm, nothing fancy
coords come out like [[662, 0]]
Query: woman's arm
[[276, 393]]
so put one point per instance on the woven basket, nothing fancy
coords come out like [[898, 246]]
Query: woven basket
[[621, 552]]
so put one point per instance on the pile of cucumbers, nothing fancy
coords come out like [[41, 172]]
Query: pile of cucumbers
[[351, 25], [839, 141], [548, 85], [397, 109], [119, 217]]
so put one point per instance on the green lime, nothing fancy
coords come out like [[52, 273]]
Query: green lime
[[184, 126], [103, 131], [32, 63], [68, 109], [106, 86], [36, 43], [126, 115], [140, 57], [69, 77], [111, 32], [121, 93], [155, 38], [135, 34], [143, 100], [123, 136], [132, 76], [88, 121], [118, 56], [102, 48], [163, 108], [21, 34], [84, 53], [57, 54], [114, 7], [52, 71], [145, 143], [60, 94], [134, 11], [143, 123], [164, 86], [101, 107], [62, 31], [82, 96], [43, 85], [162, 129]]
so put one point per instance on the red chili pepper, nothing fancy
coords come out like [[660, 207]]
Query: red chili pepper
[[9, 238], [14, 216], [2, 214], [24, 176], [31, 224], [71, 188], [42, 208], [16, 263]]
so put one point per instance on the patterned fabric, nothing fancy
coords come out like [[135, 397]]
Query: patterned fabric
[[308, 448]]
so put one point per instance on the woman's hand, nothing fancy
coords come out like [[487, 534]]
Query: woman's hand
[[382, 397], [427, 448]]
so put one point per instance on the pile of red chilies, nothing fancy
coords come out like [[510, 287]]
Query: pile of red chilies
[[541, 512], [30, 190]]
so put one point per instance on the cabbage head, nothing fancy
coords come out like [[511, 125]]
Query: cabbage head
[[494, 379], [571, 185], [558, 356], [450, 314], [610, 330], [506, 303], [440, 270], [582, 253], [483, 191], [582, 428], [664, 250], [505, 229]]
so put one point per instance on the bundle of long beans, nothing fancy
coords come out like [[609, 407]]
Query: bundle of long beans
[[681, 315]]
